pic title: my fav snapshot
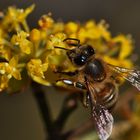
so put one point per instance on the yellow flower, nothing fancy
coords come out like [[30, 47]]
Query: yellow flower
[[90, 24], [56, 40], [10, 69], [46, 22], [35, 35], [22, 14], [3, 82], [1, 37], [82, 35], [36, 48], [125, 45], [14, 17], [36, 70], [58, 27], [71, 27], [5, 52], [21, 40], [97, 31], [56, 56], [35, 38], [92, 31], [102, 29], [118, 62]]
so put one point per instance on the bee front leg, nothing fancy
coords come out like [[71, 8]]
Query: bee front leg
[[69, 73], [72, 83]]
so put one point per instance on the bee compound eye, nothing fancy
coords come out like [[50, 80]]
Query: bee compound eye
[[89, 51], [80, 60]]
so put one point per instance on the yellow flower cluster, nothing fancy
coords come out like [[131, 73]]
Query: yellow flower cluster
[[31, 51]]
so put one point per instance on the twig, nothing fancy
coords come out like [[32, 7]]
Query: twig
[[54, 128], [43, 107], [69, 105]]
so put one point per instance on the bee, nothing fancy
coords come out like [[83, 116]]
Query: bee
[[98, 78]]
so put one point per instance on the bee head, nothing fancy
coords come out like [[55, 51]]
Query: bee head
[[80, 55]]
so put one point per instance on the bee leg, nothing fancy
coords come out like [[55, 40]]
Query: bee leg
[[72, 44], [72, 83], [85, 99], [69, 73]]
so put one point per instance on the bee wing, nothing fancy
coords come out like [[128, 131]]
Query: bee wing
[[133, 76], [102, 118]]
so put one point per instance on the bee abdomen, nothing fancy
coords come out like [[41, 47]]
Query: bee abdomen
[[110, 96]]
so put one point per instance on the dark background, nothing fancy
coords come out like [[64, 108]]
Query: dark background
[[19, 116]]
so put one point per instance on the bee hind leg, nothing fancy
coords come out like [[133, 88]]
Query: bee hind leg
[[84, 97]]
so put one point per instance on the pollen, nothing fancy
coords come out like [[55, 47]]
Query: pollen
[[9, 76], [14, 69], [2, 71], [6, 64]]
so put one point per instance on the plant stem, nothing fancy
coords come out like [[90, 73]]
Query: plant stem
[[54, 128], [43, 107], [69, 105]]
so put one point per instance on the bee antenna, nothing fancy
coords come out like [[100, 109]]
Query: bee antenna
[[72, 44], [61, 48]]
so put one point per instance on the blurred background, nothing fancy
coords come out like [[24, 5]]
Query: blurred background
[[19, 116]]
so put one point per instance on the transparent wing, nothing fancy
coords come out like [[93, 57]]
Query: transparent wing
[[103, 119], [133, 76]]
